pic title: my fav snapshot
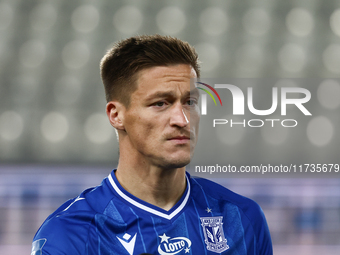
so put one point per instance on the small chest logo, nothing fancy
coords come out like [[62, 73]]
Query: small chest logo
[[172, 246], [128, 242], [213, 234]]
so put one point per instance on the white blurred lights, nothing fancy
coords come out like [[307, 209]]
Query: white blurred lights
[[54, 127], [328, 94], [331, 58], [11, 125], [85, 18], [274, 135], [256, 21], [97, 128], [75, 54], [67, 89], [230, 136], [300, 22], [335, 22], [6, 15], [171, 20], [286, 83], [32, 53], [320, 131], [250, 58], [213, 21], [25, 89], [43, 17], [292, 58], [209, 56], [128, 19]]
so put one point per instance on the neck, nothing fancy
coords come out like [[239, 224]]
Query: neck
[[160, 187]]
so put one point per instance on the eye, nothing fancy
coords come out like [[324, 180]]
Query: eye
[[191, 102], [159, 104]]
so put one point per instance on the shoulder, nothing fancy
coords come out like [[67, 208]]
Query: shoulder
[[221, 193], [66, 231]]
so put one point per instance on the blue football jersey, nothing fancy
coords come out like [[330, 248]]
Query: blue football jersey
[[208, 219]]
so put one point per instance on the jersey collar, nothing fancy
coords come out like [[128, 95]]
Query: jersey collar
[[146, 206]]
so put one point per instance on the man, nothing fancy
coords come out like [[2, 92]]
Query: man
[[149, 204]]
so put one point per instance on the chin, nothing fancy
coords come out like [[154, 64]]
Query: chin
[[176, 163]]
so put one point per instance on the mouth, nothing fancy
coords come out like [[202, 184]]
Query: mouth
[[180, 139]]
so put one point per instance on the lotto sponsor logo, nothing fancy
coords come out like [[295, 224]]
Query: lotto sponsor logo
[[172, 246]]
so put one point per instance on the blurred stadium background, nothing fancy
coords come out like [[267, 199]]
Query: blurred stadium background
[[55, 139]]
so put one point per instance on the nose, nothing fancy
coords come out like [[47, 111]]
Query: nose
[[179, 117]]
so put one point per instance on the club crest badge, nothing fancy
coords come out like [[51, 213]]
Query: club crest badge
[[213, 234]]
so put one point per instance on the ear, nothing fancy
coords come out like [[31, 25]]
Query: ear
[[115, 113]]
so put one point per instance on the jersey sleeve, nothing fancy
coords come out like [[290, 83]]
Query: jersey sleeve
[[61, 235]]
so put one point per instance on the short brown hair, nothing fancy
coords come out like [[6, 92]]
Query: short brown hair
[[120, 65]]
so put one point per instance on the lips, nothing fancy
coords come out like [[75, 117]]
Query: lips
[[180, 138]]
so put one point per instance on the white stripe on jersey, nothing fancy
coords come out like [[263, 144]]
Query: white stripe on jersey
[[148, 209], [77, 199]]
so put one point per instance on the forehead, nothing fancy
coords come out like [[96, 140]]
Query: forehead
[[156, 72], [165, 77]]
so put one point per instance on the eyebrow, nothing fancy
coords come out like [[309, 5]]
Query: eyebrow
[[161, 94], [165, 94], [194, 92]]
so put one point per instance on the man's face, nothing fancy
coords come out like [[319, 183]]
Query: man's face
[[162, 119]]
